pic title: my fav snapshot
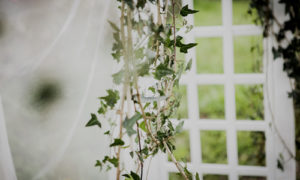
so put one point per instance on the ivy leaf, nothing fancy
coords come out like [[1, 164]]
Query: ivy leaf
[[280, 165], [143, 126], [114, 26], [117, 142], [276, 53], [112, 98], [185, 47], [98, 163], [129, 3], [189, 65], [113, 161], [143, 69], [188, 173], [118, 77], [186, 11], [128, 123], [141, 3], [134, 176], [93, 121], [162, 70]]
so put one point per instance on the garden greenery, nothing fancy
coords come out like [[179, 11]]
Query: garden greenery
[[145, 46]]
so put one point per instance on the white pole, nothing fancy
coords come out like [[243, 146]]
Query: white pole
[[7, 169]]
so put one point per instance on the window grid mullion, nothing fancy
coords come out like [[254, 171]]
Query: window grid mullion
[[229, 88]]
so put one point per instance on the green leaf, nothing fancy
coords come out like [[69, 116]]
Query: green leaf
[[131, 154], [98, 163], [113, 161], [117, 142], [188, 173], [114, 26], [143, 69], [280, 165], [186, 11], [93, 121], [186, 47], [134, 176], [189, 65], [143, 126], [112, 98], [141, 3], [128, 123], [162, 70], [118, 77], [101, 110], [107, 132], [129, 3]]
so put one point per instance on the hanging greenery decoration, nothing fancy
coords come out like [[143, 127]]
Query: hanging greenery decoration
[[145, 46]]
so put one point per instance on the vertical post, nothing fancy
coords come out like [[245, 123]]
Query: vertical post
[[283, 111]]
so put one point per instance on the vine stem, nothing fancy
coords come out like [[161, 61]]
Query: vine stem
[[178, 165], [124, 90], [121, 132], [174, 32], [140, 148]]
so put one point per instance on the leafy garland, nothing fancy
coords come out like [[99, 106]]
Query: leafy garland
[[287, 37], [145, 46]]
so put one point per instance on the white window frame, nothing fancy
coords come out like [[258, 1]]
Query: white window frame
[[276, 85]]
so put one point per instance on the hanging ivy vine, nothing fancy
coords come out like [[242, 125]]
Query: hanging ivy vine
[[286, 34], [145, 46]]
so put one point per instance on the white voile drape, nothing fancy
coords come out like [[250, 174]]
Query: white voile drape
[[7, 169]]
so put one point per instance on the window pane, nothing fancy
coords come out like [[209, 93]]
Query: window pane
[[240, 12], [252, 178], [249, 102], [211, 101], [213, 146], [182, 111], [175, 176], [251, 148], [210, 12], [182, 144], [248, 51], [209, 55], [215, 177]]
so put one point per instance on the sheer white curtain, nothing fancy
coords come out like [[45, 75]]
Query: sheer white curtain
[[64, 39], [7, 169]]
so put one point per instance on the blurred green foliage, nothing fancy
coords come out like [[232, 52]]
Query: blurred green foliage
[[182, 144], [248, 51], [249, 102], [209, 53], [251, 148], [213, 146], [210, 12], [175, 176], [239, 12], [211, 101], [214, 177], [248, 54]]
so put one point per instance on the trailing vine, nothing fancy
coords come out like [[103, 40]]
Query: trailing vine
[[145, 45], [286, 34]]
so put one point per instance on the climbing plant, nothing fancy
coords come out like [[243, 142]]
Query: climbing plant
[[286, 36], [146, 42]]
